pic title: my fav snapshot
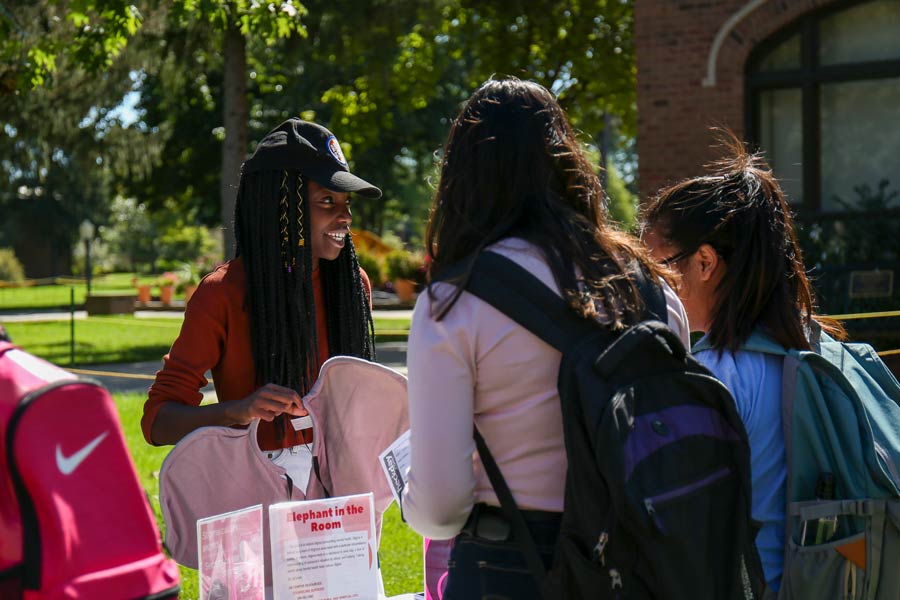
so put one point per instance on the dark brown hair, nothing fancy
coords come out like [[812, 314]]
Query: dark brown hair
[[512, 167], [741, 212]]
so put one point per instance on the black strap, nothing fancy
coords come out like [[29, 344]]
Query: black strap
[[511, 511], [522, 297], [315, 464], [526, 300], [655, 306]]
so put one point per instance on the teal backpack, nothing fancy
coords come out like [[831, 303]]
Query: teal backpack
[[841, 419]]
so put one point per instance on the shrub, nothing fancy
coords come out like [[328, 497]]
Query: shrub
[[169, 278], [405, 265], [181, 244], [10, 268], [373, 268], [131, 236]]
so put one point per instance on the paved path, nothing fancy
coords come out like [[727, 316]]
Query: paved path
[[137, 376]]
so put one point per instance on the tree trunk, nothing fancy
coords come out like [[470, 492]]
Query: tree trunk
[[236, 115]]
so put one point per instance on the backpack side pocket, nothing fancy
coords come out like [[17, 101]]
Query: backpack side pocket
[[856, 563]]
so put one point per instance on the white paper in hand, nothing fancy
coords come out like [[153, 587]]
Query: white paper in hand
[[395, 463]]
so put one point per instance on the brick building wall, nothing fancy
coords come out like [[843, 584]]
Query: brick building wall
[[673, 40]]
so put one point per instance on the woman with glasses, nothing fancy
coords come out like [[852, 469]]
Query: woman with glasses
[[730, 237]]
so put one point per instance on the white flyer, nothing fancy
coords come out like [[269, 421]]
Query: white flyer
[[324, 549], [230, 548], [395, 463]]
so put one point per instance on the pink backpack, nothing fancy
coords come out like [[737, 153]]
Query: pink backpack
[[358, 409], [74, 520]]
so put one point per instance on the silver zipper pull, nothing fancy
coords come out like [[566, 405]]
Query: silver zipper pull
[[600, 547], [651, 512], [616, 579]]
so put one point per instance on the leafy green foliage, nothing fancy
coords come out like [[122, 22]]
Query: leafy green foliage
[[89, 33], [405, 265], [182, 243], [864, 239], [131, 234], [858, 235], [10, 268], [864, 236], [269, 21], [373, 268], [623, 203], [386, 76]]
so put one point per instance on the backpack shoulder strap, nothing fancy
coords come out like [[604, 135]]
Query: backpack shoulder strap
[[511, 511], [522, 297], [655, 306]]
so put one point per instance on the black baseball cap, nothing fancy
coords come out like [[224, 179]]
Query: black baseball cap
[[313, 151]]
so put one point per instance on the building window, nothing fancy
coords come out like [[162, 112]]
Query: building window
[[824, 104]]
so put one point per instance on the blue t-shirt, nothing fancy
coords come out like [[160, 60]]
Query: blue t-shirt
[[754, 380]]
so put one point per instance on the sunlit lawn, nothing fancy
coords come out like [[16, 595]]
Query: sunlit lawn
[[401, 548], [98, 339], [60, 294], [125, 338]]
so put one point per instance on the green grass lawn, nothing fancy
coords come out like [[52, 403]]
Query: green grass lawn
[[98, 339], [401, 548], [59, 295], [124, 338]]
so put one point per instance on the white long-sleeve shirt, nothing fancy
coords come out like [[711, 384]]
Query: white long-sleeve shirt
[[477, 364]]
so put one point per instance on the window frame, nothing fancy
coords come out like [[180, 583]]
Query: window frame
[[809, 78]]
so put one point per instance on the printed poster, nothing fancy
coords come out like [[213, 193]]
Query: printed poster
[[324, 549], [230, 547]]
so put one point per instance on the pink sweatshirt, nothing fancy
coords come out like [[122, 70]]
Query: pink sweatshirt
[[477, 364]]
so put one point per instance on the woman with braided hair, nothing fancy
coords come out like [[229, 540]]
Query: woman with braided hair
[[293, 296], [515, 181]]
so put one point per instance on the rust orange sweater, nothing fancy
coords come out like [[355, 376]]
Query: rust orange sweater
[[215, 336]]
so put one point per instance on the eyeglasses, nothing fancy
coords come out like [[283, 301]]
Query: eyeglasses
[[668, 262]]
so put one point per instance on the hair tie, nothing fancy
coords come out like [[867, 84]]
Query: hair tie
[[285, 225], [301, 241]]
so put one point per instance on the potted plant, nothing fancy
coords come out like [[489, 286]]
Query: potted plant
[[144, 291], [405, 270], [167, 282], [188, 279], [191, 272]]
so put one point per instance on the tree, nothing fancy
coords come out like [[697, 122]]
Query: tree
[[38, 34], [386, 76], [236, 20], [399, 75], [60, 150], [91, 33]]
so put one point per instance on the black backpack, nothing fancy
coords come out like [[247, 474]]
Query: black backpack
[[657, 496]]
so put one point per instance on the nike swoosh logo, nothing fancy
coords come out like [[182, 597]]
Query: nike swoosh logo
[[67, 464]]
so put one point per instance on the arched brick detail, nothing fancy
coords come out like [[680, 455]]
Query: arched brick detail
[[673, 39], [765, 21]]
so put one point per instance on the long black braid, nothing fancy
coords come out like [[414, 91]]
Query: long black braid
[[272, 229], [350, 332]]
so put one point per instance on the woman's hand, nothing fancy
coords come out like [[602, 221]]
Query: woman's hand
[[266, 403]]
